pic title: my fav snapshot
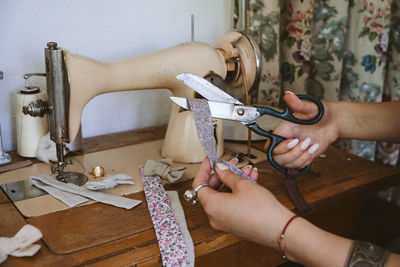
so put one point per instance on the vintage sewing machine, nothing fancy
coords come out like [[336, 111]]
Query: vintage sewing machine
[[72, 81]]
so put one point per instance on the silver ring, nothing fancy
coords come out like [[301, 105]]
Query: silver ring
[[191, 194]]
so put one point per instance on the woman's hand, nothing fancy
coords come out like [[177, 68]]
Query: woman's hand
[[304, 142], [249, 211]]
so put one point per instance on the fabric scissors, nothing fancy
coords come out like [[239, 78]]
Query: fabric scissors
[[224, 106]]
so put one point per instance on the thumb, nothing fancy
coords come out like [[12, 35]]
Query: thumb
[[226, 176], [301, 109]]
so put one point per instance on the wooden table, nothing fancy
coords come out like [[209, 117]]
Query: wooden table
[[104, 235]]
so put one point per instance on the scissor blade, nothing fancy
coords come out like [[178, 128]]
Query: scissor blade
[[225, 111], [207, 89]]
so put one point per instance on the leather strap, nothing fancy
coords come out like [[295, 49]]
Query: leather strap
[[293, 191]]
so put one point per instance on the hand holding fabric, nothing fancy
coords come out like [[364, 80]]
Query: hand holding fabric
[[249, 211]]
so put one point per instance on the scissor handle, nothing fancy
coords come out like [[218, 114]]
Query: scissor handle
[[287, 113], [274, 141]]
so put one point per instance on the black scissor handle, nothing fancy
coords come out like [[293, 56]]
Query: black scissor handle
[[287, 113], [274, 141]]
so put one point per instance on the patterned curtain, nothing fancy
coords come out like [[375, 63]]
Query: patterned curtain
[[335, 50]]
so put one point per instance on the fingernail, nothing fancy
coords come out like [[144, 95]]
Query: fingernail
[[255, 169], [305, 144], [248, 166], [313, 149], [289, 92], [221, 166], [293, 143], [236, 160]]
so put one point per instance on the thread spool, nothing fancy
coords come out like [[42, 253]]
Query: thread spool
[[29, 129]]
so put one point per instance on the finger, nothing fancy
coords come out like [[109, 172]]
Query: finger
[[285, 146], [254, 174], [287, 159], [301, 109], [203, 177], [247, 169], [226, 176], [214, 181], [203, 174], [313, 151], [251, 172], [305, 158], [300, 161]]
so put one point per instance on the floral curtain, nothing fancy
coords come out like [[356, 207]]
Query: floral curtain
[[333, 50]]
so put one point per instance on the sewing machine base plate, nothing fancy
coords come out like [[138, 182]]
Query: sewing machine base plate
[[22, 190], [25, 189]]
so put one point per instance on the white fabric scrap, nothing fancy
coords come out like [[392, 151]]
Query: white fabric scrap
[[71, 200], [110, 181], [117, 201], [181, 221], [21, 245], [46, 150]]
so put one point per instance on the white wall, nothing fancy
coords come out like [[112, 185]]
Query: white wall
[[104, 30]]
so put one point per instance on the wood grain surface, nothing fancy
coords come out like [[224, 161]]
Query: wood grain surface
[[103, 235]]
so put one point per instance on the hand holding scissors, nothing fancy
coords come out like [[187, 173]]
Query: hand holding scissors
[[224, 106]]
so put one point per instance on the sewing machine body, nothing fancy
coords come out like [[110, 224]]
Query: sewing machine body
[[73, 80], [89, 78]]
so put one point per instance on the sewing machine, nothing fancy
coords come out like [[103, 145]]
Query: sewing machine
[[73, 80]]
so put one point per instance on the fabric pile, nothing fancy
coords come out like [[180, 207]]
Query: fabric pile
[[73, 195], [20, 245], [110, 181]]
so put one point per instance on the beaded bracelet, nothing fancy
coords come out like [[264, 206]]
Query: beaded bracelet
[[279, 241]]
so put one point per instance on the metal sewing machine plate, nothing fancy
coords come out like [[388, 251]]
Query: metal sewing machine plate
[[22, 190]]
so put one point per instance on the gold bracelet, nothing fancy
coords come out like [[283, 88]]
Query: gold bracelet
[[282, 235]]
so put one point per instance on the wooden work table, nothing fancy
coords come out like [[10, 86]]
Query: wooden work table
[[103, 235]]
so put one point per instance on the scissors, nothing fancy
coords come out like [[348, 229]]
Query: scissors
[[224, 106]]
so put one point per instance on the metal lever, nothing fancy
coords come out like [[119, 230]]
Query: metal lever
[[28, 75]]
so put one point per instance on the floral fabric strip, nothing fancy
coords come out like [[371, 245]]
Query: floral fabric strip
[[170, 239], [202, 119]]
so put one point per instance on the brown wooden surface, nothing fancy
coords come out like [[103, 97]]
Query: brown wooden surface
[[103, 235], [104, 142], [15, 165]]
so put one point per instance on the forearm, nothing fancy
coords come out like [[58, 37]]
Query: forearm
[[311, 246], [302, 241], [367, 121]]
